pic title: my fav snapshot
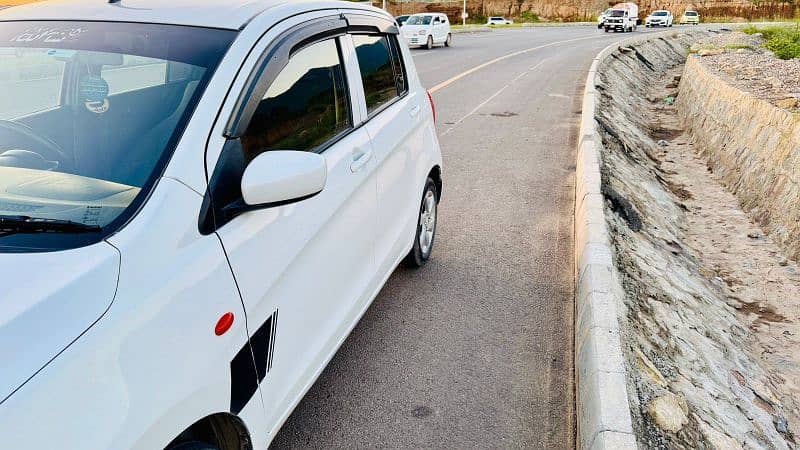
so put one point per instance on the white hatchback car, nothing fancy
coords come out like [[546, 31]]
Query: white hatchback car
[[197, 204], [497, 20], [427, 30]]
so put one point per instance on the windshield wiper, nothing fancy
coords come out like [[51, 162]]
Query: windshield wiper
[[25, 224]]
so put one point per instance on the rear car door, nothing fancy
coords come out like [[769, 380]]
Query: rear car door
[[395, 126], [443, 28], [302, 267]]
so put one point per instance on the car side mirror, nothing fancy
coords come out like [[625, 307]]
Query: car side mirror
[[283, 176]]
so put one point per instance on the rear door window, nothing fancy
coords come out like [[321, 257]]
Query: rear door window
[[381, 69]]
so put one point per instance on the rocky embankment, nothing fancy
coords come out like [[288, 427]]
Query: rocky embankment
[[710, 321], [749, 131]]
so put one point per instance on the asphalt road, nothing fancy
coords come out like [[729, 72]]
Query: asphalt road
[[475, 350]]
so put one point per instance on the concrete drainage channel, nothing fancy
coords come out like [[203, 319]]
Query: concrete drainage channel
[[686, 308], [603, 408]]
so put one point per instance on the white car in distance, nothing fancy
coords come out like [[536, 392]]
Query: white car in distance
[[660, 18], [197, 205], [498, 20], [690, 18], [602, 18], [427, 30]]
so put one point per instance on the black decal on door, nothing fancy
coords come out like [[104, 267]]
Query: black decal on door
[[258, 355]]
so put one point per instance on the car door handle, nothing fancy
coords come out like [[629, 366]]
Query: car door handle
[[360, 159], [415, 111]]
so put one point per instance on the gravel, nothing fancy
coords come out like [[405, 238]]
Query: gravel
[[754, 69]]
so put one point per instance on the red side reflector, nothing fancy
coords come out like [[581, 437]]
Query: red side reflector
[[224, 324], [433, 107]]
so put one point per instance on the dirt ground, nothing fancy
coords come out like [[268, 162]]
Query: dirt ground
[[753, 69]]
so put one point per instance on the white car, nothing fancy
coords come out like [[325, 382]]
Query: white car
[[690, 18], [197, 204], [497, 20], [660, 18], [427, 30], [601, 19]]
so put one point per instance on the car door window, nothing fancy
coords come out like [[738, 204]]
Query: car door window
[[30, 81], [381, 69], [134, 73], [305, 107]]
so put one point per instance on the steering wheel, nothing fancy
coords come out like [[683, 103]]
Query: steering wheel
[[42, 143]]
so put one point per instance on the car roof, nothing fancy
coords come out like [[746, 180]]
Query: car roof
[[230, 14]]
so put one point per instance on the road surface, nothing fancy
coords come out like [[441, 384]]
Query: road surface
[[476, 349]]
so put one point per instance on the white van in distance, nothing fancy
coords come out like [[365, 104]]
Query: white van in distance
[[622, 17], [427, 30]]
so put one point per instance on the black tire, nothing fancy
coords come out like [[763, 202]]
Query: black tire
[[194, 445], [418, 256], [449, 40], [429, 44]]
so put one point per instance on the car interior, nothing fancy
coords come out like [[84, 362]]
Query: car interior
[[96, 132]]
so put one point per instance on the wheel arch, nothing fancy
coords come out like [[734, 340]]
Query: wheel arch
[[224, 430], [436, 175]]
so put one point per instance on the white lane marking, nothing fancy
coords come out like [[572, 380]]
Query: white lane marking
[[452, 80], [559, 96], [483, 103]]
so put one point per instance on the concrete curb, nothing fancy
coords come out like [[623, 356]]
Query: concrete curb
[[602, 406]]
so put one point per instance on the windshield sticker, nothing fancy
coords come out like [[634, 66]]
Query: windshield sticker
[[49, 35], [92, 215], [18, 207]]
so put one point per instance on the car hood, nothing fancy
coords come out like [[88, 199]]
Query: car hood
[[413, 29], [47, 301]]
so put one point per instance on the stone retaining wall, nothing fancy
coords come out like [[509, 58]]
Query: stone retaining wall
[[753, 146]]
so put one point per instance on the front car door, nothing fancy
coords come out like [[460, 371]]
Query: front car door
[[301, 268]]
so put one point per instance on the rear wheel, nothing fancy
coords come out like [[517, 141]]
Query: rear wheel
[[449, 40], [429, 45], [426, 227]]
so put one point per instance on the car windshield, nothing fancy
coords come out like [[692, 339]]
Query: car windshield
[[419, 20], [691, 13], [660, 13], [617, 13], [89, 115]]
